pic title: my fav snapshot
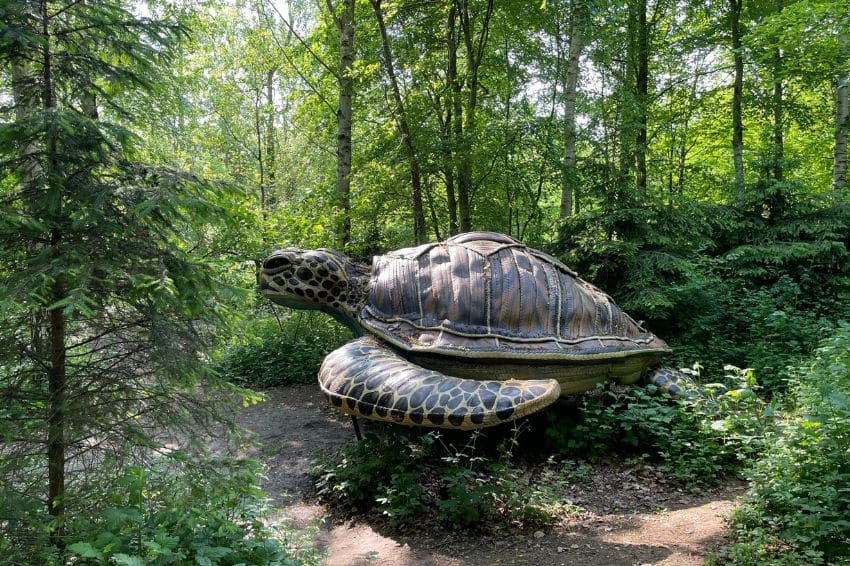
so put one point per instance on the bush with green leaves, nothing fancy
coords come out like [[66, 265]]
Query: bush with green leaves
[[798, 508], [184, 515], [407, 479], [179, 510], [279, 351], [710, 430], [768, 328]]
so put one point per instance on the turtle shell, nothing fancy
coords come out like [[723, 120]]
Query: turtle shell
[[486, 295]]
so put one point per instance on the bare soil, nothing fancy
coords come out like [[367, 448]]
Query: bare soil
[[628, 516]]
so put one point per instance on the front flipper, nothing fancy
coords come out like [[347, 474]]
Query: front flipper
[[366, 378], [666, 379]]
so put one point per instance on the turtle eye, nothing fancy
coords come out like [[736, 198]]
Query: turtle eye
[[276, 262]]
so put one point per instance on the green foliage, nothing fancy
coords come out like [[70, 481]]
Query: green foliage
[[380, 470], [177, 511], [712, 430], [109, 294], [798, 508], [412, 480], [755, 286], [767, 328], [158, 516], [280, 351]]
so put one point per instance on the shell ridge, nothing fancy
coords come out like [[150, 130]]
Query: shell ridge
[[519, 293], [418, 279]]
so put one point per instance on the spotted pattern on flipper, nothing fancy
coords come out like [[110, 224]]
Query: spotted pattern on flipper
[[366, 378], [667, 380]]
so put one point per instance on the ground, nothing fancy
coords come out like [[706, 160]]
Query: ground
[[629, 516]]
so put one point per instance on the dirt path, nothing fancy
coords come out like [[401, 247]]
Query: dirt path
[[627, 519]]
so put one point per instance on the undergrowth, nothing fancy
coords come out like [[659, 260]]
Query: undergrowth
[[714, 429], [172, 512], [798, 508], [280, 351], [413, 479]]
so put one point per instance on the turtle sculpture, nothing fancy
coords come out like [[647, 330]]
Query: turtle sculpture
[[467, 333]]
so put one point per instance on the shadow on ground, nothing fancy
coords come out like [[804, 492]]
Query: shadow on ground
[[625, 519]]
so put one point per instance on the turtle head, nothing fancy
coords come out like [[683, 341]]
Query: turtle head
[[320, 279]]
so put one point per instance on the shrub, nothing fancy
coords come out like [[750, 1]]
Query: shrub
[[179, 510], [712, 429], [798, 508], [379, 469], [409, 478], [278, 352], [768, 328], [183, 515]]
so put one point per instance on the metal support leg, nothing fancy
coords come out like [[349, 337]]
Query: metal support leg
[[356, 428]]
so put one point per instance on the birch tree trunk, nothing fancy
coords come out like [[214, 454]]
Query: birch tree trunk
[[778, 111], [342, 193], [842, 121], [569, 171], [270, 139]]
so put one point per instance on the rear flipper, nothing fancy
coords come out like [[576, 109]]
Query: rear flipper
[[368, 379], [667, 380]]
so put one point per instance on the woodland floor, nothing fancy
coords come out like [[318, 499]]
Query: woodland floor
[[628, 516]]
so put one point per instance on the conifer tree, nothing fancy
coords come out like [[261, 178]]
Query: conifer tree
[[101, 301]]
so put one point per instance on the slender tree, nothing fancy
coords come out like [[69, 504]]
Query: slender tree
[[400, 115], [778, 108], [735, 10], [345, 25], [452, 125], [475, 45], [842, 115], [576, 38]]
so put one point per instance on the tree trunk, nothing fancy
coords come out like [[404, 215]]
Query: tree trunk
[[56, 419], [451, 123], [345, 23], [569, 173], [460, 146], [736, 6], [261, 160], [404, 128], [26, 99], [642, 96], [270, 139], [56, 370], [778, 111], [475, 48], [842, 121], [635, 85]]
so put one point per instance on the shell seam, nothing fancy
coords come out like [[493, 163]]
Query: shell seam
[[509, 338], [487, 354]]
